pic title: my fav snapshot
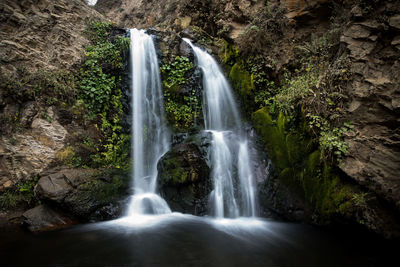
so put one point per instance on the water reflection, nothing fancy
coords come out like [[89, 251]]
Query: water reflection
[[185, 240]]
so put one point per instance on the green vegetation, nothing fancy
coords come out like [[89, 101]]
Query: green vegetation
[[292, 91], [68, 157], [241, 80], [93, 96], [298, 114], [297, 158], [100, 90], [174, 74], [312, 93], [96, 85], [181, 110], [19, 194]]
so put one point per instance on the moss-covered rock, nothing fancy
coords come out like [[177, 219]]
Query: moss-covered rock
[[184, 179], [84, 193], [241, 80], [299, 167], [305, 187]]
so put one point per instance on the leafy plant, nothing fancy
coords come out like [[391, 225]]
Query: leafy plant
[[100, 91], [174, 74], [293, 90], [182, 112], [183, 116], [19, 194]]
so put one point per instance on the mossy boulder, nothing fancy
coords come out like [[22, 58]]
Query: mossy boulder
[[84, 193], [184, 179]]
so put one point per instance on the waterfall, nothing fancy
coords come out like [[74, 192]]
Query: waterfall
[[149, 133], [233, 194], [91, 2]]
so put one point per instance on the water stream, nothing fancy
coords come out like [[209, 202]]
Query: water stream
[[233, 194], [149, 132], [233, 186]]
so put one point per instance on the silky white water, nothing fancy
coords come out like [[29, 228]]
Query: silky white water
[[149, 132], [233, 194], [91, 2]]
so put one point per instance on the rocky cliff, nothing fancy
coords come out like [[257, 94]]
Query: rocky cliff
[[36, 35], [42, 48]]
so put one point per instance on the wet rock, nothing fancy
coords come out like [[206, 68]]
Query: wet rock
[[43, 218], [274, 196], [84, 193], [184, 179], [186, 50]]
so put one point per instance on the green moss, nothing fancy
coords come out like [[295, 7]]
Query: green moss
[[177, 174], [101, 192], [229, 54], [241, 80], [298, 160]]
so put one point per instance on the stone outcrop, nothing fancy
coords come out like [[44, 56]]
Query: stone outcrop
[[214, 16], [184, 179], [84, 193], [43, 34], [374, 156], [36, 35], [29, 153]]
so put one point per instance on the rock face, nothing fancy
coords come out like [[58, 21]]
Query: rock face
[[36, 35], [374, 156], [27, 154], [84, 193], [212, 16], [184, 179], [42, 33]]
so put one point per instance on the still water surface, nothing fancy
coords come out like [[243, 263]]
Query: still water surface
[[184, 240]]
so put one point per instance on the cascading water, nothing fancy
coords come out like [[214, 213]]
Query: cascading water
[[229, 145], [149, 132], [233, 194]]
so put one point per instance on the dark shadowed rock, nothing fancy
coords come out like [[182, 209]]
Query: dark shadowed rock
[[43, 218], [184, 179], [85, 193]]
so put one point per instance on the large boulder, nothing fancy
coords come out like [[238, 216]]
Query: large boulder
[[43, 218], [184, 179], [84, 193]]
